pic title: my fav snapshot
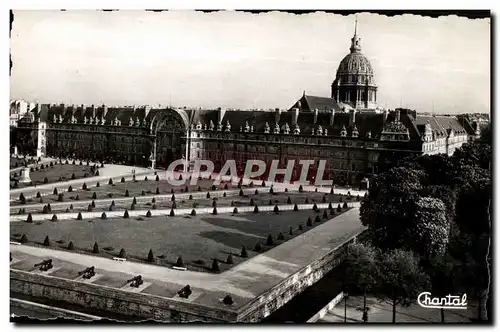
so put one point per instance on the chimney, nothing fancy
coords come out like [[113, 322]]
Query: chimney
[[64, 108], [384, 115], [332, 116], [315, 116], [147, 109], [104, 110], [352, 117], [277, 115], [295, 115], [93, 111], [222, 112], [398, 117]]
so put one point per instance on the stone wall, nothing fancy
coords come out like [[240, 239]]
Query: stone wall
[[53, 311], [114, 300], [279, 295]]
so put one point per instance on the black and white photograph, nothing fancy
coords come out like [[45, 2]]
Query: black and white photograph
[[250, 166]]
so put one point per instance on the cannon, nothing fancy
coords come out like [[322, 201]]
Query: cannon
[[185, 292], [87, 273], [45, 265], [136, 281]]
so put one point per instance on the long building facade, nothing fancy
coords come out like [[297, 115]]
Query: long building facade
[[348, 130]]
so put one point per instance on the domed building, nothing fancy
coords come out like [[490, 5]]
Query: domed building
[[353, 88], [354, 83]]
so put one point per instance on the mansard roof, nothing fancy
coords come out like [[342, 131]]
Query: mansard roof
[[440, 125]]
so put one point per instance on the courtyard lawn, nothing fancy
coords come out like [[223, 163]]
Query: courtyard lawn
[[197, 239], [54, 174]]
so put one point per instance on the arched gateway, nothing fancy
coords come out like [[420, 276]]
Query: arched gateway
[[169, 131]]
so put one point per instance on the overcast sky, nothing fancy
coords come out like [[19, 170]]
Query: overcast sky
[[243, 60]]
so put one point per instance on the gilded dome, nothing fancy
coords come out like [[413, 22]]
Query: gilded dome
[[354, 64]]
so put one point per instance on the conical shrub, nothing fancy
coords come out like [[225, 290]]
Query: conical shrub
[[315, 207], [317, 219], [215, 265], [122, 180], [276, 209], [157, 178], [257, 247], [179, 262], [301, 189], [269, 240], [157, 191], [103, 216], [122, 253], [110, 182], [252, 202], [84, 186], [339, 208], [295, 207], [151, 257], [54, 217], [309, 222], [208, 194], [325, 215], [134, 201], [70, 189], [24, 239], [95, 250], [127, 193], [71, 246], [288, 200], [193, 212], [301, 228], [229, 259], [256, 209], [29, 218], [345, 205], [46, 242], [290, 231], [125, 214], [79, 216], [148, 214], [214, 211], [235, 210], [172, 213], [244, 252]]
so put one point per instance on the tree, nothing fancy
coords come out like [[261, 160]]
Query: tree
[[215, 265], [193, 212], [148, 214], [46, 242], [125, 214], [362, 269], [29, 218], [229, 259], [402, 279], [443, 271], [79, 216], [295, 207], [71, 246], [54, 217]]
